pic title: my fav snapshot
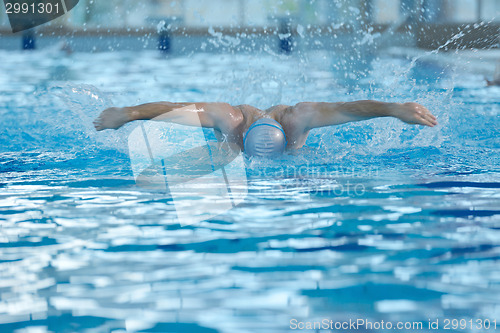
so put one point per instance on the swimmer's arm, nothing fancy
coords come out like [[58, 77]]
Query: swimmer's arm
[[327, 114], [190, 114], [210, 115]]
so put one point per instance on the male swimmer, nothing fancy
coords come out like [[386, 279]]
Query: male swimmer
[[496, 76], [264, 133]]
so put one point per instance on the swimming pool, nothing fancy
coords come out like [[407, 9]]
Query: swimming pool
[[376, 220]]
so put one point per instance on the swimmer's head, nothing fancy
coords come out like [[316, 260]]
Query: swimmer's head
[[265, 138]]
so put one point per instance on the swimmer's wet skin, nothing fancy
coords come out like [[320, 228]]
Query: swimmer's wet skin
[[268, 132]]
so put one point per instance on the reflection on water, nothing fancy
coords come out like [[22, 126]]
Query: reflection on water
[[105, 253], [82, 248]]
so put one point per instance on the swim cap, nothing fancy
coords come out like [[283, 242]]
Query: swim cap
[[265, 138]]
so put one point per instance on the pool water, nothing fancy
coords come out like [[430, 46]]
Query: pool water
[[376, 220]]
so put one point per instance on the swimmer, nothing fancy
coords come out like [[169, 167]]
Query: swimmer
[[496, 76], [264, 133]]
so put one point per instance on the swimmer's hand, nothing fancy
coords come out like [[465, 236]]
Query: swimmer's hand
[[415, 114], [112, 118]]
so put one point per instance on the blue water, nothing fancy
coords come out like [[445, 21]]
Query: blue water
[[377, 220]]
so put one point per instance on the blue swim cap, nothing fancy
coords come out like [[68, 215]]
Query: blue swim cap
[[265, 138]]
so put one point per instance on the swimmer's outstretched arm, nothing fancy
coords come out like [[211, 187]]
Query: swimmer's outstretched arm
[[213, 115], [327, 114]]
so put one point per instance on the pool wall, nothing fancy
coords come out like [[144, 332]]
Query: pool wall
[[223, 39]]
